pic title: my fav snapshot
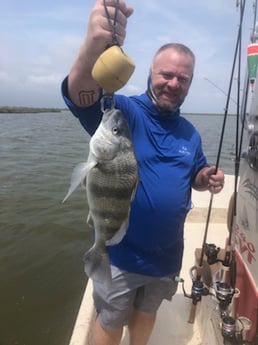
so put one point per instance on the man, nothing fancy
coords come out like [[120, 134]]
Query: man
[[170, 161]]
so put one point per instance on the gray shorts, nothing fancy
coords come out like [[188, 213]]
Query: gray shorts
[[114, 302]]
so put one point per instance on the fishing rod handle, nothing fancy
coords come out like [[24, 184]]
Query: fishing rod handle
[[192, 313]]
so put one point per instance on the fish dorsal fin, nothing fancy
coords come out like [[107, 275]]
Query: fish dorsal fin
[[80, 172]]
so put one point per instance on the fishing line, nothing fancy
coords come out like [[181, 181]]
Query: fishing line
[[112, 25]]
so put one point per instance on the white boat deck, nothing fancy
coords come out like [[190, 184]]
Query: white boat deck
[[172, 325]]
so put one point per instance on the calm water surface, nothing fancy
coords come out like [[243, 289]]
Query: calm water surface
[[42, 241]]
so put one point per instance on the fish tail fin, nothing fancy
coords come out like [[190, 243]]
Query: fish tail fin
[[97, 265]]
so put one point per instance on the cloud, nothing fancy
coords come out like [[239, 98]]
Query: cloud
[[39, 42]]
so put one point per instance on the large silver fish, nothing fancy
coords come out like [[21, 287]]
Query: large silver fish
[[111, 179]]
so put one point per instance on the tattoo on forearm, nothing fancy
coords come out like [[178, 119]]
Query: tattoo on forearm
[[86, 97]]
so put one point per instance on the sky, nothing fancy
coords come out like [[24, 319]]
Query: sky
[[40, 39]]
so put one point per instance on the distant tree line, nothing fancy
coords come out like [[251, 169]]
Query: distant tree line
[[16, 110]]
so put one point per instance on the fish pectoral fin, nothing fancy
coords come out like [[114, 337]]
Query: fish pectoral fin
[[97, 265], [80, 172], [134, 191], [119, 235]]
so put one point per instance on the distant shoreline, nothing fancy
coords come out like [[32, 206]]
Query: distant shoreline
[[35, 110], [26, 110]]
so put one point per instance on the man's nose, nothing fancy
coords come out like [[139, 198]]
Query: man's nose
[[173, 82]]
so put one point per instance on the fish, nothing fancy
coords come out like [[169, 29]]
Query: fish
[[110, 176]]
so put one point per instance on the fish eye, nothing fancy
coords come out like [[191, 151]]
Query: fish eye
[[115, 130]]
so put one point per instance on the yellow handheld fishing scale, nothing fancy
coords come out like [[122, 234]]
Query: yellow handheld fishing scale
[[113, 68]]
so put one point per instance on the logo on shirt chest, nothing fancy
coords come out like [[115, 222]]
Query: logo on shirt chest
[[184, 151]]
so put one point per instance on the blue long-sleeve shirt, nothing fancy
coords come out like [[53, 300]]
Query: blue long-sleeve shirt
[[169, 154]]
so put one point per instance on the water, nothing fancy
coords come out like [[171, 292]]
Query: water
[[42, 241]]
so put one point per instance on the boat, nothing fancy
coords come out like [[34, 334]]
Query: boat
[[217, 298], [168, 325]]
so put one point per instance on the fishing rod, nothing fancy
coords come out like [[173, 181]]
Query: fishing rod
[[231, 334], [233, 328], [238, 149], [227, 259], [227, 280], [198, 287]]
